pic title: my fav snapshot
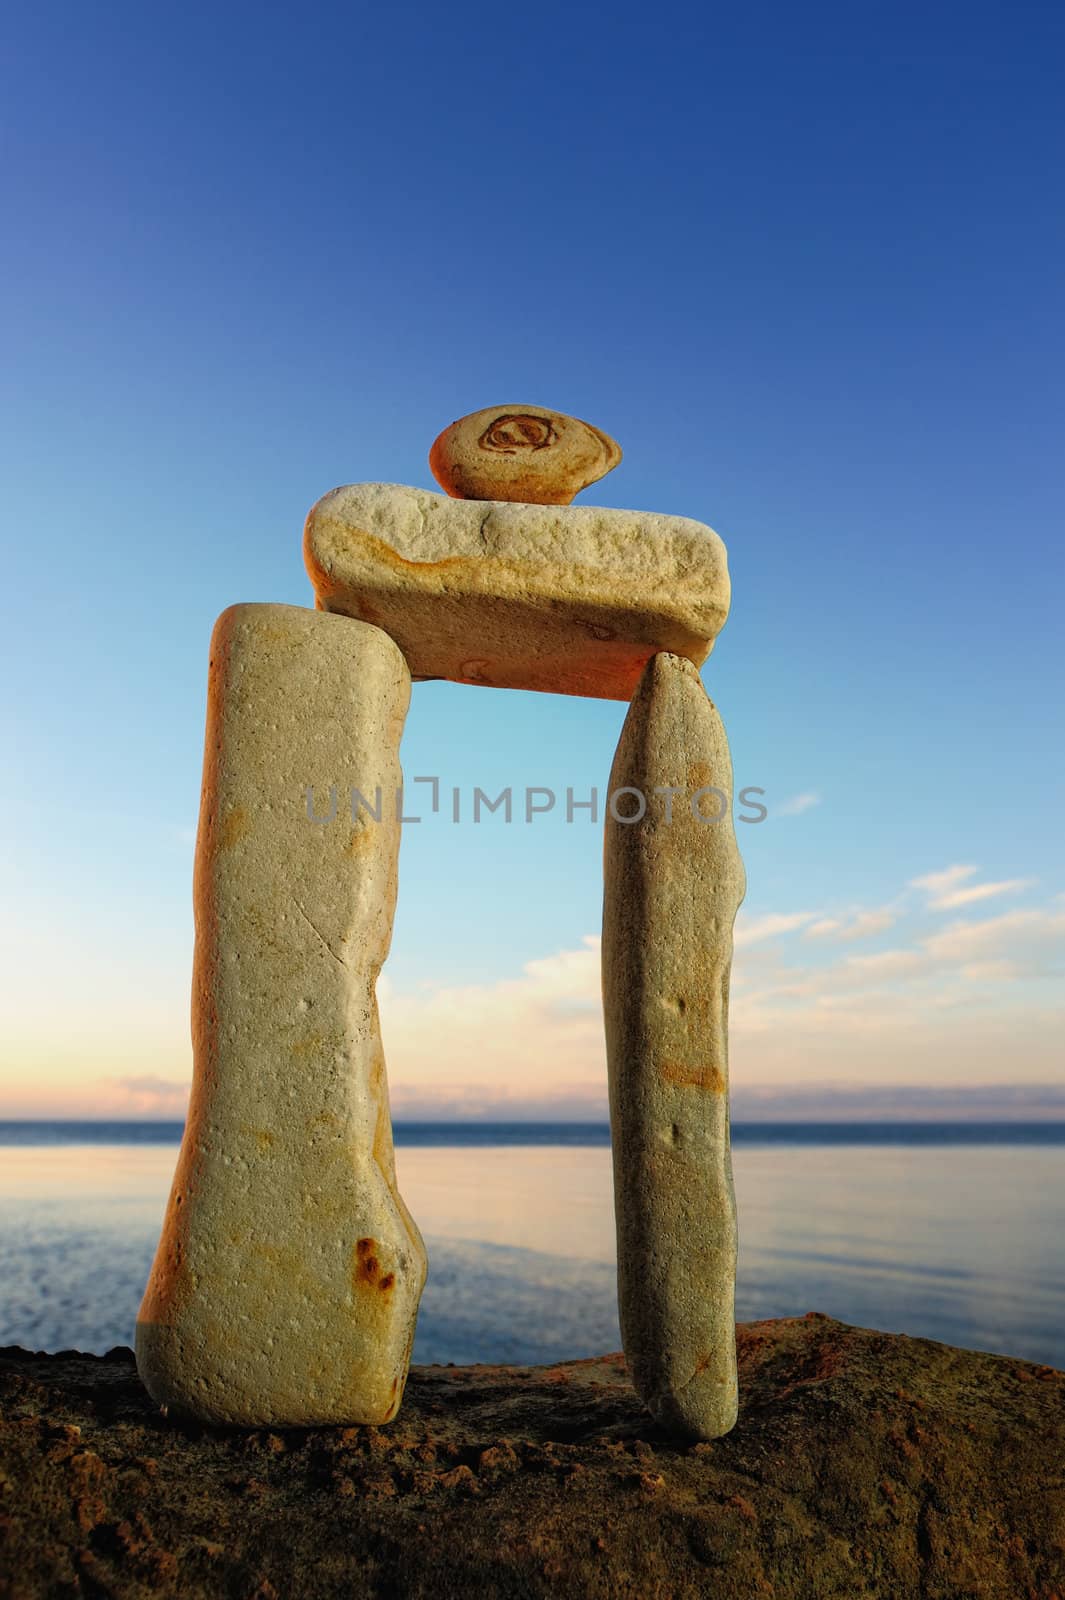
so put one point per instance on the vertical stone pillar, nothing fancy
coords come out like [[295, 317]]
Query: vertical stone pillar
[[672, 889], [286, 1283]]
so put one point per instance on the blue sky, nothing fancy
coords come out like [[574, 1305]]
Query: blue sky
[[803, 263]]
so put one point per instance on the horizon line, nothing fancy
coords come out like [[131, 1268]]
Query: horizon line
[[979, 1115]]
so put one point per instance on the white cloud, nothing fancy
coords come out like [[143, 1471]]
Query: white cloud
[[861, 925], [144, 1096], [937, 883], [885, 964], [1029, 940], [753, 930], [980, 891], [992, 971], [797, 804], [945, 889]]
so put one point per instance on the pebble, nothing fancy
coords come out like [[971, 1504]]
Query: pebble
[[524, 453]]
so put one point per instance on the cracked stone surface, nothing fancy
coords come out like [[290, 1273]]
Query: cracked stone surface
[[673, 882], [563, 599], [287, 1279], [864, 1466]]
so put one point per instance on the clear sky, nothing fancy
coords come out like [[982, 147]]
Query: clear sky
[[803, 262]]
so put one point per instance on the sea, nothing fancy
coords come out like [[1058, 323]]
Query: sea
[[948, 1231]]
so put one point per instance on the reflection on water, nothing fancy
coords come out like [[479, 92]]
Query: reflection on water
[[959, 1244]]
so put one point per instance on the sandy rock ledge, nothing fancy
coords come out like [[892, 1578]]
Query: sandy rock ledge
[[863, 1464]]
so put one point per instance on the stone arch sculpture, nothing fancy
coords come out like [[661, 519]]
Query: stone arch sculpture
[[286, 1283]]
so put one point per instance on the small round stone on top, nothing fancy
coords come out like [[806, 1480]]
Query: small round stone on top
[[524, 453]]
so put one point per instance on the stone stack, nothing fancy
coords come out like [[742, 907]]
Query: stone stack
[[286, 1284]]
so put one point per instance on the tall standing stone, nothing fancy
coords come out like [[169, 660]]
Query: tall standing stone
[[673, 883], [286, 1284]]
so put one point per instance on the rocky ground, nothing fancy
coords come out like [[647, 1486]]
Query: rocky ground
[[863, 1464]]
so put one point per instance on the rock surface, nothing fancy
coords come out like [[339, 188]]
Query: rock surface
[[522, 453], [287, 1280], [673, 882], [865, 1466], [568, 600]]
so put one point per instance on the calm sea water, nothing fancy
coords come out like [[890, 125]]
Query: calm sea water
[[954, 1232]]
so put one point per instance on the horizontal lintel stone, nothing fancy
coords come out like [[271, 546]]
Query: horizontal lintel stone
[[563, 599]]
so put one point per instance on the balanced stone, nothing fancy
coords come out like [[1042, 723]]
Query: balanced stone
[[521, 453], [565, 599], [286, 1284], [673, 883]]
